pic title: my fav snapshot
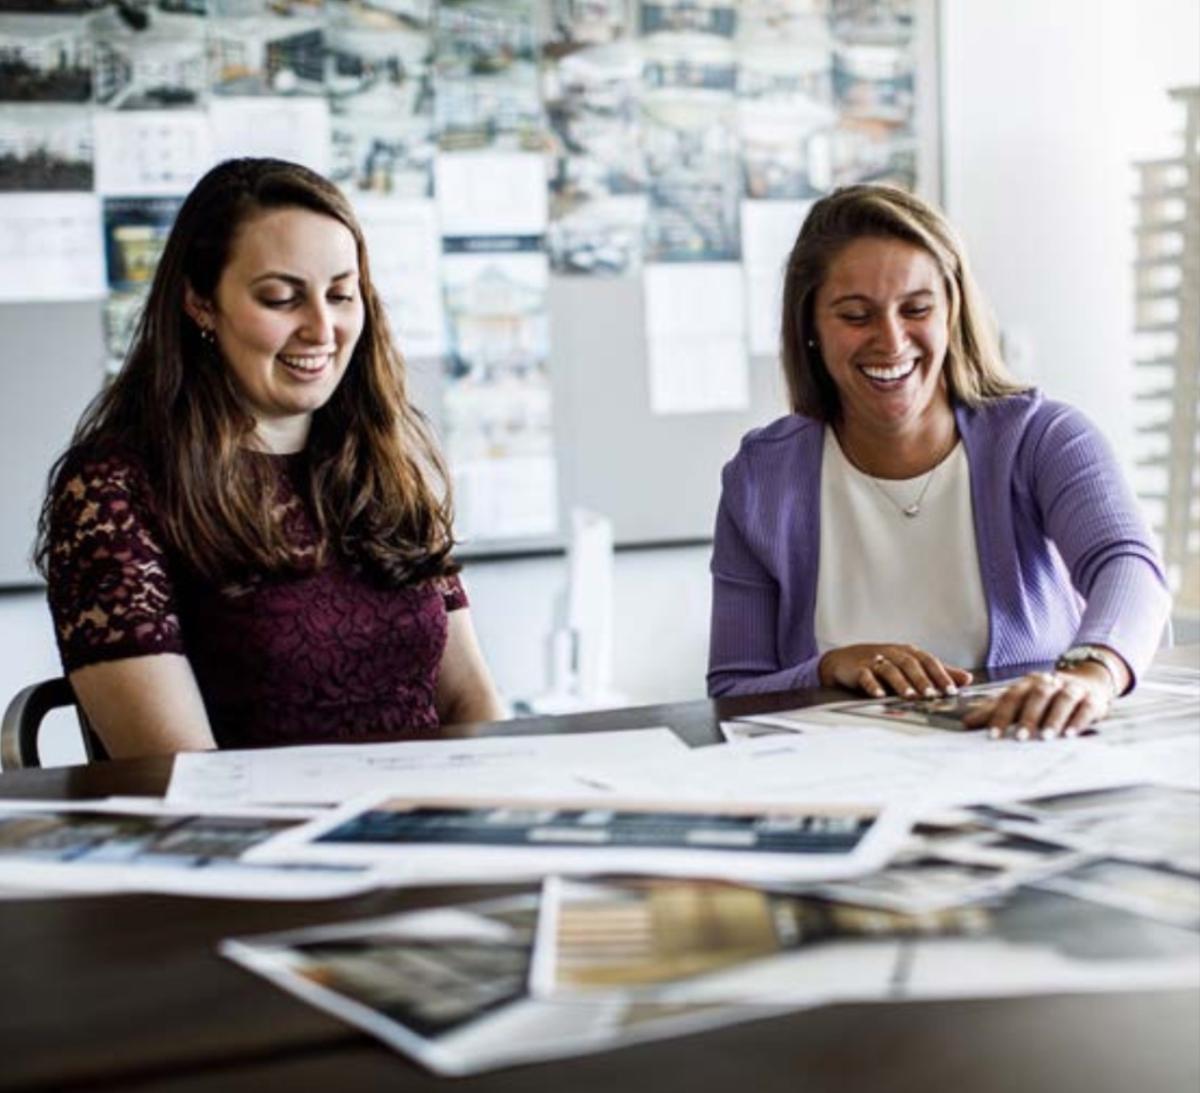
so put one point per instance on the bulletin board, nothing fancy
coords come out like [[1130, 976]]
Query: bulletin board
[[577, 213]]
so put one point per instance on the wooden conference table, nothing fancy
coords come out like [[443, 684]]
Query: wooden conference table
[[127, 992]]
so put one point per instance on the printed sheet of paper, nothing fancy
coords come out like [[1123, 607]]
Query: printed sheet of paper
[[426, 838], [877, 767], [151, 152], [769, 230], [295, 129], [696, 351], [146, 846], [448, 987], [405, 249], [491, 193], [51, 247], [329, 774]]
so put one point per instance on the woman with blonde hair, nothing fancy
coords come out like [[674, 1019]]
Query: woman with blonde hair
[[920, 512], [248, 541]]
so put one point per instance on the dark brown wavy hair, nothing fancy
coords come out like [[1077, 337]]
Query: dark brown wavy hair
[[975, 371], [376, 485]]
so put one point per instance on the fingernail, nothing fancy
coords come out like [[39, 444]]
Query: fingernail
[[1022, 733], [1047, 734], [995, 732], [951, 689], [909, 693], [931, 692], [1070, 732]]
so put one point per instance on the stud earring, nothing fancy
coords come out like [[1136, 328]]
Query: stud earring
[[207, 336]]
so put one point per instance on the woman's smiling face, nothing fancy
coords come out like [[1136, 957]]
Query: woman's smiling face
[[882, 322], [287, 313]]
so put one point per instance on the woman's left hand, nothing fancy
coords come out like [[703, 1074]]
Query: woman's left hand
[[1046, 705]]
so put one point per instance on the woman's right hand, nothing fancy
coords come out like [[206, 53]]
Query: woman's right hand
[[890, 668]]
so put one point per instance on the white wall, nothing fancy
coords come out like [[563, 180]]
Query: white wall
[[1045, 106]]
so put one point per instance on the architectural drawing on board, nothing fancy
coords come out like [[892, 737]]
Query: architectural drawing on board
[[161, 67], [598, 181], [380, 84], [486, 81], [44, 59], [1167, 302], [267, 55], [874, 85], [45, 148]]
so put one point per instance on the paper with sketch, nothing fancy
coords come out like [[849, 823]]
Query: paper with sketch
[[50, 247], [151, 153], [448, 987], [424, 839], [130, 846], [769, 230], [295, 128], [329, 774], [877, 767], [695, 342]]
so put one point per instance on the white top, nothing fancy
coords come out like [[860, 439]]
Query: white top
[[887, 577]]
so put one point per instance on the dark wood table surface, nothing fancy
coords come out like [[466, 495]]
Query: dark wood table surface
[[127, 992]]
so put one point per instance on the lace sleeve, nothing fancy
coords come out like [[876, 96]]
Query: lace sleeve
[[454, 596], [109, 589]]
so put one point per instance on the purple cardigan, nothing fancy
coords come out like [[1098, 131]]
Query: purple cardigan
[[1052, 515]]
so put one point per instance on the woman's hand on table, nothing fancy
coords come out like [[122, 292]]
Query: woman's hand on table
[[891, 669], [1046, 705]]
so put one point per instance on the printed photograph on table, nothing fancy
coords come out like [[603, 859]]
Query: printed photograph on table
[[45, 58], [448, 987], [641, 937], [46, 148], [380, 85], [162, 66], [257, 47], [486, 80]]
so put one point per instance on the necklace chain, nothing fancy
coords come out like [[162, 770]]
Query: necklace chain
[[913, 508]]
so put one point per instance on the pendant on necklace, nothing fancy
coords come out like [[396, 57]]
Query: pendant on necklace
[[912, 510]]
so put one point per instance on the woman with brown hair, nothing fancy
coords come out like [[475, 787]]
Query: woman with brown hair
[[919, 512], [248, 541]]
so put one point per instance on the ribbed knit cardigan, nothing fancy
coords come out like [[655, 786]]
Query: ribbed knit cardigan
[[1064, 554]]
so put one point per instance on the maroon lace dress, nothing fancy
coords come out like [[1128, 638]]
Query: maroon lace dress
[[324, 656]]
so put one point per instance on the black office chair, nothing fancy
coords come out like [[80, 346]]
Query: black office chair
[[23, 722]]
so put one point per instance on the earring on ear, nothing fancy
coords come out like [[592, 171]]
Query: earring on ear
[[206, 335]]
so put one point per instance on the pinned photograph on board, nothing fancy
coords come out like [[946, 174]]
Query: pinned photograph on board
[[252, 52], [45, 58], [486, 78], [694, 180], [380, 84], [716, 18], [598, 180], [46, 148], [135, 232], [575, 25], [163, 66]]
